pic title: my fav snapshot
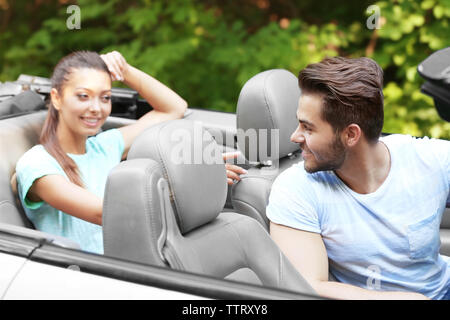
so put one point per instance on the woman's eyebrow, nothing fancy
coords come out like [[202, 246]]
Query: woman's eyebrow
[[87, 89]]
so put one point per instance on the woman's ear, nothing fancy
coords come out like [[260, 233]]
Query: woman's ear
[[352, 134], [55, 98]]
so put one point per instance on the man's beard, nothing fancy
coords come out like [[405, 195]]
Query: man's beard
[[331, 159]]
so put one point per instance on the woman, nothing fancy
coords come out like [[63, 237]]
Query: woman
[[61, 181]]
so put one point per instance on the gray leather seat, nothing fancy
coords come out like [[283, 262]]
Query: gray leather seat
[[445, 233], [24, 102], [163, 206], [17, 135], [268, 101]]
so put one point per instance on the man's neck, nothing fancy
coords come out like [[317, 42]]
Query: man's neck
[[366, 167]]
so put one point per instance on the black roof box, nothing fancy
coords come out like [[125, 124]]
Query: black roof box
[[436, 71]]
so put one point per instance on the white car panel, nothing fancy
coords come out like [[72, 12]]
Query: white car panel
[[10, 266], [47, 282]]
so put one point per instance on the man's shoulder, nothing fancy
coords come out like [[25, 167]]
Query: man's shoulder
[[294, 199], [406, 139], [297, 176], [426, 153], [422, 146], [397, 139], [293, 173]]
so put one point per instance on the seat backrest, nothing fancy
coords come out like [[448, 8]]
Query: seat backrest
[[17, 135], [445, 233], [25, 102], [268, 101], [163, 206]]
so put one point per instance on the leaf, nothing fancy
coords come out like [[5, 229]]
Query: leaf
[[427, 4], [438, 12]]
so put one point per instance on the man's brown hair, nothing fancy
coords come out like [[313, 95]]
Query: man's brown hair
[[352, 92]]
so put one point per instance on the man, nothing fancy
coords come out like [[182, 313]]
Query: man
[[364, 207]]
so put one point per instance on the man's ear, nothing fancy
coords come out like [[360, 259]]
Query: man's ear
[[352, 134], [55, 98]]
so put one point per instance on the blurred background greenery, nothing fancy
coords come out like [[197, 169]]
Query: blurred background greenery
[[207, 50]]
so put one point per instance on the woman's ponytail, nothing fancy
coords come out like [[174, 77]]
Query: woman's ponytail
[[50, 142]]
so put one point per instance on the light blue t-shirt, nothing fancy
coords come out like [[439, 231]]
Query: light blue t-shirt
[[387, 240], [103, 152]]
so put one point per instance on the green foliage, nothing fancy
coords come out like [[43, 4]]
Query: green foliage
[[413, 30], [206, 51]]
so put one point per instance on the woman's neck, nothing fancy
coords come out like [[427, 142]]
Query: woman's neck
[[70, 142]]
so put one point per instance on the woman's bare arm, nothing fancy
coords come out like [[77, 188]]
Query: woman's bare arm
[[167, 105], [68, 197]]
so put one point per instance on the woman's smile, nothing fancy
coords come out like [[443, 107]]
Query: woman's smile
[[91, 122]]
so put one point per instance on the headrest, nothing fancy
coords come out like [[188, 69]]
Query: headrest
[[192, 164], [132, 191], [26, 101], [268, 101], [435, 69]]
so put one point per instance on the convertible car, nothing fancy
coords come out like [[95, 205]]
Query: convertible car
[[165, 238]]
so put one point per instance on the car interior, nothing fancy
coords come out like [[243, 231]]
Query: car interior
[[184, 216], [174, 215]]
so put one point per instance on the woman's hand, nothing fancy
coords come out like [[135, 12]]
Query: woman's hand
[[165, 103], [117, 65], [233, 171]]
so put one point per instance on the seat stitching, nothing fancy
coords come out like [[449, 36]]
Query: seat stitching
[[250, 205], [149, 204], [265, 99], [280, 266], [231, 226], [166, 174], [257, 177]]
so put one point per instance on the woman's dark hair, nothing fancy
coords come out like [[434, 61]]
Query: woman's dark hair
[[352, 92], [61, 73]]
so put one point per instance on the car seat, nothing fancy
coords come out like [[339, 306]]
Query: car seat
[[267, 104], [25, 102], [164, 206], [18, 134]]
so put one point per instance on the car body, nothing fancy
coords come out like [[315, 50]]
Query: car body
[[36, 265]]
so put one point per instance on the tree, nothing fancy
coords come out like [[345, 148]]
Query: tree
[[207, 50]]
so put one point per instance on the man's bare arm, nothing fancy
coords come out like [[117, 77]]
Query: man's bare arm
[[307, 252]]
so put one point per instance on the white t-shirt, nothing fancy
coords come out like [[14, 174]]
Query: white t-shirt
[[387, 240]]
